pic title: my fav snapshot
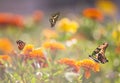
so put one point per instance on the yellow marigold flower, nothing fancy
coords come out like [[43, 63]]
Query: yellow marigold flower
[[53, 45], [93, 14], [48, 33], [5, 58], [5, 45], [27, 49], [106, 6], [37, 53], [116, 35], [66, 25], [71, 63], [88, 65]]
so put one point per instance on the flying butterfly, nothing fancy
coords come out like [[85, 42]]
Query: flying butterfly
[[98, 55], [20, 44], [53, 19]]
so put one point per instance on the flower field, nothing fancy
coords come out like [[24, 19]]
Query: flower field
[[32, 53]]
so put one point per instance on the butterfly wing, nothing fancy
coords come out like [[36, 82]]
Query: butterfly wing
[[98, 55], [96, 51], [52, 22], [53, 19], [94, 54], [102, 58], [20, 44], [96, 60]]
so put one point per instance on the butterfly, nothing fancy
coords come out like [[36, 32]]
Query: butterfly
[[98, 55], [53, 19], [20, 44]]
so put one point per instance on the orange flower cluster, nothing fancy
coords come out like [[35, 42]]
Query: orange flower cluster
[[5, 45], [71, 63], [11, 19], [30, 53], [88, 65], [37, 53], [54, 45], [28, 49], [93, 14]]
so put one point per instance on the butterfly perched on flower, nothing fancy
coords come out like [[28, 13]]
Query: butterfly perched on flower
[[98, 55], [20, 44], [53, 19]]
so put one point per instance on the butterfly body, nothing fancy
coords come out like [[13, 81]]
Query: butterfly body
[[20, 44], [53, 19], [98, 55]]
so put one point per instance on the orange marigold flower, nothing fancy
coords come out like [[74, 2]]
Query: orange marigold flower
[[5, 45], [30, 52], [93, 14], [4, 18], [37, 16], [27, 49], [88, 65], [11, 19], [71, 63], [37, 53], [54, 45], [48, 33], [17, 20]]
